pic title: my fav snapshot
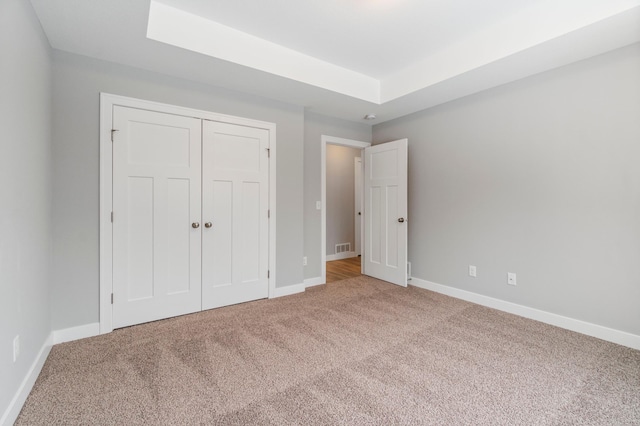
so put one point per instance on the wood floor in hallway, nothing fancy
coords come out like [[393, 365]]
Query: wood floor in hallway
[[342, 269]]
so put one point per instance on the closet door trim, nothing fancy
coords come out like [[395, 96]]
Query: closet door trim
[[107, 103]]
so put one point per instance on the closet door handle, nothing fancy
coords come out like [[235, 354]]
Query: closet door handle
[[208, 225], [401, 219], [195, 225]]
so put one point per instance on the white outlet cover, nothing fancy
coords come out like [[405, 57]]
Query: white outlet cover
[[472, 271], [16, 348], [318, 205], [304, 261], [511, 278]]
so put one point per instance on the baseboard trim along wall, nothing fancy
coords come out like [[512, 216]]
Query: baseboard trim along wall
[[287, 291], [340, 256], [594, 330], [75, 333], [310, 282], [55, 337], [13, 410]]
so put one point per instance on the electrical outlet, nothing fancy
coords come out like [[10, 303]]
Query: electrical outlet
[[16, 348], [511, 278], [304, 261], [472, 271], [318, 205]]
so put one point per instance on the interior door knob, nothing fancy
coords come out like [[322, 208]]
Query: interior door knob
[[208, 225], [401, 219], [195, 225]]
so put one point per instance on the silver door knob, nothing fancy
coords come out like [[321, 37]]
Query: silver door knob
[[401, 219], [195, 225], [208, 225]]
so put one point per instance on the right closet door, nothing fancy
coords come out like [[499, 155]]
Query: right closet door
[[235, 200]]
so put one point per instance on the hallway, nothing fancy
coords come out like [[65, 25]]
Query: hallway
[[342, 269]]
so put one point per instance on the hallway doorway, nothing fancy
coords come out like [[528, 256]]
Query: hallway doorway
[[342, 269]]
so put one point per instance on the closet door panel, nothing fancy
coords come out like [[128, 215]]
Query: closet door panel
[[235, 187], [156, 199]]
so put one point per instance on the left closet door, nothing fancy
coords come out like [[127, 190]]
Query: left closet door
[[157, 214]]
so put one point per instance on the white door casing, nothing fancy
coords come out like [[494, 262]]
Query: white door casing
[[111, 201], [156, 196], [358, 205], [324, 141], [385, 202], [235, 212]]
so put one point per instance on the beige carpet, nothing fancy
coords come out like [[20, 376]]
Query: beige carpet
[[355, 352]]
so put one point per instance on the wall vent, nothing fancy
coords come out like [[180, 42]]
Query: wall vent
[[343, 248]]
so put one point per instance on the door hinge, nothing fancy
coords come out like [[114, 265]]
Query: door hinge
[[112, 132], [112, 298], [268, 273], [269, 152], [111, 217]]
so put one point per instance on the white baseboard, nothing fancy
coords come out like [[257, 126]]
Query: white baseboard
[[594, 330], [75, 333], [13, 410], [288, 290], [340, 256], [55, 337], [310, 282]]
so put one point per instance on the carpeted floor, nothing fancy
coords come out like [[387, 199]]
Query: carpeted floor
[[354, 352]]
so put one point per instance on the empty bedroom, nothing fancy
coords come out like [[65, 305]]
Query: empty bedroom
[[342, 212]]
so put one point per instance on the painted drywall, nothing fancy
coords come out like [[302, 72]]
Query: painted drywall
[[340, 196], [78, 82], [25, 212], [539, 177], [316, 125]]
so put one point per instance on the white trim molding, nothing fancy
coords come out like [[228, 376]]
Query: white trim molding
[[288, 290], [54, 338], [107, 104], [324, 140], [340, 256], [13, 410], [311, 282], [579, 326], [76, 333]]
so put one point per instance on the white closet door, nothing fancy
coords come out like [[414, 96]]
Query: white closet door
[[156, 199], [385, 200], [235, 191]]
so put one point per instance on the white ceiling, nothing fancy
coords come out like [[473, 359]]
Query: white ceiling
[[344, 58], [354, 34]]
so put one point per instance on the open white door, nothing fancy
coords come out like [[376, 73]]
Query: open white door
[[385, 211]]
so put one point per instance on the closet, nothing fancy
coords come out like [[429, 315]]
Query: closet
[[190, 214]]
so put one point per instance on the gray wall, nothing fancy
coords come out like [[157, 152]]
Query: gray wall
[[77, 83], [316, 125], [340, 196], [25, 172], [540, 177]]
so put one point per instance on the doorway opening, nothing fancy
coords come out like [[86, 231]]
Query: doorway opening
[[338, 270], [344, 223]]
